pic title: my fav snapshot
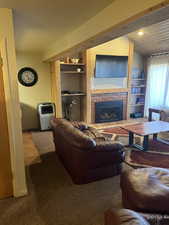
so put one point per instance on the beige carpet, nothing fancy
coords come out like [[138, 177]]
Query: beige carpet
[[54, 200], [43, 141], [31, 153]]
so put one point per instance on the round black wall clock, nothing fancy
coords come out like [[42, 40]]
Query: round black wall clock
[[27, 76]]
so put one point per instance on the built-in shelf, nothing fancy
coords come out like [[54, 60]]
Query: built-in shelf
[[77, 94], [138, 79], [115, 90], [138, 94], [139, 86], [73, 64], [72, 72], [141, 104]]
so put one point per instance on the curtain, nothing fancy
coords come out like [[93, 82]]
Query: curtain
[[157, 92]]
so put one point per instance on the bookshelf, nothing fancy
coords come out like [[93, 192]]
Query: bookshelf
[[137, 97], [69, 89]]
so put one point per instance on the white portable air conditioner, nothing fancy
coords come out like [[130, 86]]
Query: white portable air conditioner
[[46, 111]]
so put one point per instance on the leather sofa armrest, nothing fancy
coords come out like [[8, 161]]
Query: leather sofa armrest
[[108, 146]]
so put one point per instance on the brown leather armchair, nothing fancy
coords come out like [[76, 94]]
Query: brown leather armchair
[[85, 153], [124, 217], [130, 217], [146, 190]]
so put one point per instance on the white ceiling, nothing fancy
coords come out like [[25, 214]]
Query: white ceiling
[[38, 23], [154, 40]]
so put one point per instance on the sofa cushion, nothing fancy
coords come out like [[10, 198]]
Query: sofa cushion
[[94, 135], [76, 138], [79, 125]]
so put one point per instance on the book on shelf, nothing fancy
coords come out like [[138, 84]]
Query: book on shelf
[[137, 73], [136, 90], [140, 100]]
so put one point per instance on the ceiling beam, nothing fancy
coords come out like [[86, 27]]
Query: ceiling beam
[[116, 20]]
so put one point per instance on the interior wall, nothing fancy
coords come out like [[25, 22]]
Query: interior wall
[[117, 47], [30, 97], [12, 102]]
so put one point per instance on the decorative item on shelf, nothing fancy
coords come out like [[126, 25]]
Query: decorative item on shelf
[[75, 60], [136, 115], [68, 104], [79, 70], [62, 60], [27, 76], [67, 60]]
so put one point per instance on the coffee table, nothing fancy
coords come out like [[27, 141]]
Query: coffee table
[[145, 129]]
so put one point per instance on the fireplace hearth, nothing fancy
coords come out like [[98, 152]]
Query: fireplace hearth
[[108, 111]]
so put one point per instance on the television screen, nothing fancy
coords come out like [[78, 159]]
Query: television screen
[[108, 66]]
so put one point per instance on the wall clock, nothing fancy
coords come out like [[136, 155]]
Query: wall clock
[[27, 76]]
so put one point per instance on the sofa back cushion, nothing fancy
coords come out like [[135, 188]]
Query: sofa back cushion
[[71, 135]]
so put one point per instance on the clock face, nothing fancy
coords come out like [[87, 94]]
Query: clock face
[[27, 77]]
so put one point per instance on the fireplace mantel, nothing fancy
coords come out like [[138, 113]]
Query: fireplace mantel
[[114, 90]]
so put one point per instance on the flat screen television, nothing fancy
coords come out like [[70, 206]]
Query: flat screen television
[[108, 66]]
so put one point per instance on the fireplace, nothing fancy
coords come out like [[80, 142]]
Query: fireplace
[[109, 107], [108, 111]]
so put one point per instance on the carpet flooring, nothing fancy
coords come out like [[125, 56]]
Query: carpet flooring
[[31, 153], [43, 141], [54, 200]]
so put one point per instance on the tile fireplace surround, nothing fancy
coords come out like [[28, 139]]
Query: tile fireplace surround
[[106, 97]]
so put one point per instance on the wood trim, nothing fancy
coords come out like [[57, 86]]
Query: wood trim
[[87, 115], [132, 23], [6, 185], [101, 91], [130, 65], [56, 87]]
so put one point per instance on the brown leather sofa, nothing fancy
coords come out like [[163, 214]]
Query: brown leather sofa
[[86, 154]]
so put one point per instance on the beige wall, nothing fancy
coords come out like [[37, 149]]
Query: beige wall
[[30, 97], [12, 101]]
